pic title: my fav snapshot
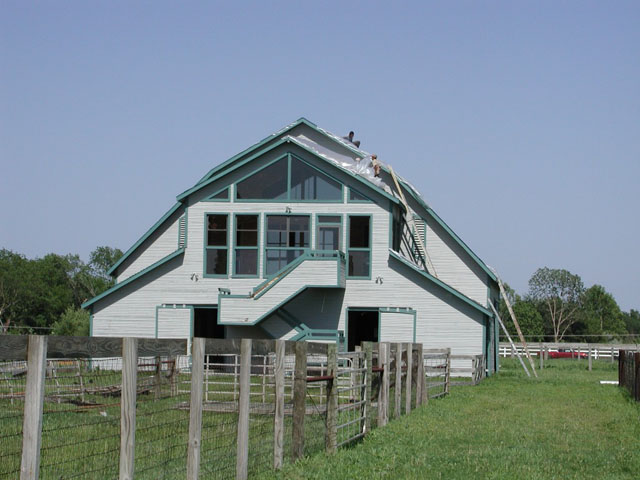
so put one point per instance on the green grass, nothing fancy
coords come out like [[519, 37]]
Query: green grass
[[563, 425]]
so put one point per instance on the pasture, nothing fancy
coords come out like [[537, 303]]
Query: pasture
[[563, 425]]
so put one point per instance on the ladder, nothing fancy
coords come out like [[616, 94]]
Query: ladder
[[412, 227], [503, 293]]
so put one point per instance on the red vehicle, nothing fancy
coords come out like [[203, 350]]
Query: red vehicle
[[566, 353]]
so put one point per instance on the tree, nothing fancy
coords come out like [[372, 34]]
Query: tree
[[601, 313], [12, 278], [530, 321], [102, 259], [560, 292], [632, 321], [73, 322]]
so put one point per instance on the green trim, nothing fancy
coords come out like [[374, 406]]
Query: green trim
[[132, 278], [147, 234], [257, 170], [441, 284], [234, 247], [219, 200], [205, 247], [328, 224], [359, 249], [404, 310]]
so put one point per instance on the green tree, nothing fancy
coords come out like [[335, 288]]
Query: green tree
[[601, 314], [72, 322], [632, 322], [13, 281], [530, 321], [559, 292]]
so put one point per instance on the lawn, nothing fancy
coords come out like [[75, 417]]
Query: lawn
[[563, 425]]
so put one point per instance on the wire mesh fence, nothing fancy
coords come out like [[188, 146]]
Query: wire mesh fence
[[12, 387], [299, 403]]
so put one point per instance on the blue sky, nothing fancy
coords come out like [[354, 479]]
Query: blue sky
[[518, 121]]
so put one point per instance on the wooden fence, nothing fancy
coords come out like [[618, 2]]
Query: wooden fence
[[629, 372], [309, 392]]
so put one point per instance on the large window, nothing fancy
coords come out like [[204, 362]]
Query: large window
[[246, 245], [216, 246], [289, 178], [287, 239], [359, 248]]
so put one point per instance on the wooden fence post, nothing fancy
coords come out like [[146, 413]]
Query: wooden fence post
[[332, 398], [409, 379], [397, 407], [637, 375], [419, 377], [383, 395], [128, 407], [541, 356], [590, 359], [195, 408], [368, 358], [33, 407], [299, 394], [278, 419], [242, 455], [611, 354]]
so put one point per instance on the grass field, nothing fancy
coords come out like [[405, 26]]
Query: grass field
[[563, 425]]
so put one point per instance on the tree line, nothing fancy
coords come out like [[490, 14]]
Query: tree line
[[559, 308], [43, 295]]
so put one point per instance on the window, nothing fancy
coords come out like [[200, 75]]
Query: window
[[221, 196], [270, 183], [287, 238], [329, 235], [307, 183], [356, 197], [216, 245], [396, 229], [289, 178], [246, 245], [359, 248]]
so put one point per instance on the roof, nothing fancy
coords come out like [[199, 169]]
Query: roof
[[352, 160]]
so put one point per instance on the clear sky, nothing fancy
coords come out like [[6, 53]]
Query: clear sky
[[518, 121]]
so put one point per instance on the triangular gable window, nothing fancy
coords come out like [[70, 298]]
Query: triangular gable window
[[221, 196], [357, 197], [289, 179], [270, 183], [307, 183]]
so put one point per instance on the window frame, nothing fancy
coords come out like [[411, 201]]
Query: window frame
[[350, 249], [238, 247], [366, 199], [206, 246], [290, 157], [319, 224], [217, 192], [265, 248]]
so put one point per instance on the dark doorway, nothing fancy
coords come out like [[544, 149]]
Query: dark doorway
[[362, 326], [205, 325]]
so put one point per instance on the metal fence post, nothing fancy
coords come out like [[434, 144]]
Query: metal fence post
[[447, 381], [33, 407], [278, 420], [195, 409], [242, 456], [128, 408]]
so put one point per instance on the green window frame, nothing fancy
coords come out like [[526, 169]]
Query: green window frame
[[354, 196], [359, 247], [284, 240], [326, 222], [216, 245], [219, 196], [311, 187], [246, 244]]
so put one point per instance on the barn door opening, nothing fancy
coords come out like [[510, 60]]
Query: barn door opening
[[362, 326], [205, 325]]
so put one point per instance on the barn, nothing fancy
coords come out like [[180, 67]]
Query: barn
[[303, 236]]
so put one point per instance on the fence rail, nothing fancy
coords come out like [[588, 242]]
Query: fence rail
[[629, 372], [83, 407], [597, 351]]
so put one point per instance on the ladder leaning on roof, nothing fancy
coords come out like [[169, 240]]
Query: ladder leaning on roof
[[412, 227]]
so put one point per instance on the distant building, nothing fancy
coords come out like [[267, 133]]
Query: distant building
[[295, 238]]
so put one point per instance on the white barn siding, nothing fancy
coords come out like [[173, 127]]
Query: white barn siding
[[396, 327], [173, 322]]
